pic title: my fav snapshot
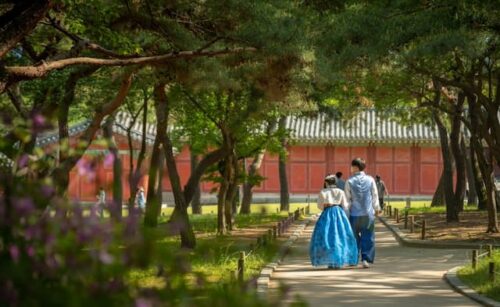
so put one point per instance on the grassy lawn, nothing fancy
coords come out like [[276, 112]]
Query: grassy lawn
[[478, 279], [215, 257], [419, 207]]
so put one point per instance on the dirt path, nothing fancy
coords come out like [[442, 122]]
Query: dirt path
[[401, 276]]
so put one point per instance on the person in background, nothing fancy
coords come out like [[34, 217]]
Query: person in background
[[382, 191], [362, 196], [140, 199], [101, 201], [332, 242], [340, 181]]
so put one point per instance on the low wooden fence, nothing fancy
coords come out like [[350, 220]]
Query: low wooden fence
[[477, 254], [409, 220], [271, 235]]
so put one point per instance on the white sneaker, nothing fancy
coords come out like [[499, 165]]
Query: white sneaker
[[366, 265]]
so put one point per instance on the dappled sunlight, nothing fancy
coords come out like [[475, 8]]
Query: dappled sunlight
[[400, 276]]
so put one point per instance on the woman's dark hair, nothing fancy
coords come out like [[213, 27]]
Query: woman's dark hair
[[359, 163], [330, 180], [338, 175]]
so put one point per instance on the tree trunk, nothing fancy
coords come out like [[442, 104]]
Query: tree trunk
[[116, 206], [61, 173], [451, 208], [458, 154], [195, 203], [135, 173], [194, 180], [486, 167], [472, 197], [232, 188], [478, 181], [153, 203], [438, 198], [284, 194], [221, 199], [249, 182], [180, 217]]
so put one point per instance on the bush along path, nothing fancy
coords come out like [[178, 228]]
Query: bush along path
[[401, 276]]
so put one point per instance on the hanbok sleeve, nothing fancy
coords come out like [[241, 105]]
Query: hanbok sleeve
[[321, 201], [344, 203]]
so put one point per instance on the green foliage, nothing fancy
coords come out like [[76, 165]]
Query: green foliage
[[479, 279]]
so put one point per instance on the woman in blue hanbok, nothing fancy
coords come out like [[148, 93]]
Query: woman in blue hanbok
[[333, 243]]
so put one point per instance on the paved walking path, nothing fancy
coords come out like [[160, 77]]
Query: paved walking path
[[401, 276]]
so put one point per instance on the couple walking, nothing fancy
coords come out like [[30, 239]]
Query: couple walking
[[346, 226]]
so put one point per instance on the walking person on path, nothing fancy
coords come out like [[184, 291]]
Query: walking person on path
[[101, 201], [332, 242], [362, 196], [140, 199], [381, 190], [340, 181]]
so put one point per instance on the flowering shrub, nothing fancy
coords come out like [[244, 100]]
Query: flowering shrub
[[62, 254]]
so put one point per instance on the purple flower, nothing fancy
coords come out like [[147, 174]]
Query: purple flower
[[30, 250], [47, 191], [23, 160], [14, 253], [143, 302], [108, 160], [39, 121], [24, 206]]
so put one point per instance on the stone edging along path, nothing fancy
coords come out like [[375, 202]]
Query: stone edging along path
[[457, 285], [266, 273], [450, 276]]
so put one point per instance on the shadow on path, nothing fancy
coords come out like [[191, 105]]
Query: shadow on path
[[401, 276]]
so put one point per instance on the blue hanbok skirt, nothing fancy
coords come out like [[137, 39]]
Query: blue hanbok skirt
[[333, 242]]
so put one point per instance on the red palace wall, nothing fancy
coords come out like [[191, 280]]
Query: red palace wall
[[409, 170], [405, 170]]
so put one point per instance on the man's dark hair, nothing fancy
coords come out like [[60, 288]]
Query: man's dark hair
[[359, 163], [339, 175]]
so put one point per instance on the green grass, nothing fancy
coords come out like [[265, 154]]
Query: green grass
[[214, 257], [419, 207], [478, 279]]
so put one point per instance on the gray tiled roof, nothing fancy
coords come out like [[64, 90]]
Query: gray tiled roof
[[121, 124], [366, 127]]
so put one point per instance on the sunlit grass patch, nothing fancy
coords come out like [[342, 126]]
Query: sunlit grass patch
[[479, 279]]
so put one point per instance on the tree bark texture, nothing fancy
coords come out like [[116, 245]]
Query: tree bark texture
[[284, 192]]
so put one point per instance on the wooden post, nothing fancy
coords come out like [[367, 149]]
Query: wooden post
[[412, 223], [490, 250], [406, 219], [408, 203], [390, 211], [423, 229], [275, 232], [491, 271], [396, 213], [241, 267], [278, 233], [308, 209], [474, 259]]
